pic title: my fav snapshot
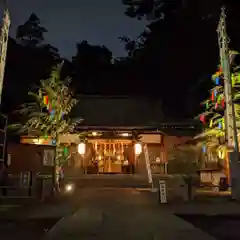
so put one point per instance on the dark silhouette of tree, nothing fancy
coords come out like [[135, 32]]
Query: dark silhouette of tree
[[31, 33], [178, 50], [28, 60], [91, 67]]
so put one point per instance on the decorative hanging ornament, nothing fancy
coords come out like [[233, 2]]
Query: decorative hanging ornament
[[49, 107], [215, 93], [217, 80], [65, 151], [45, 100], [54, 142], [212, 97], [211, 123], [207, 105], [220, 69], [52, 113], [223, 103], [220, 125], [202, 118], [204, 148], [216, 105], [223, 124], [233, 80]]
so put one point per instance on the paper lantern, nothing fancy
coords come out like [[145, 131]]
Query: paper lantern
[[138, 148], [217, 80], [81, 148]]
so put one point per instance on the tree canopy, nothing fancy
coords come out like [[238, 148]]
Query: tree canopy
[[31, 33]]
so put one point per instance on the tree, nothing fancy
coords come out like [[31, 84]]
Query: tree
[[49, 113], [31, 33], [213, 135], [92, 66], [180, 47]]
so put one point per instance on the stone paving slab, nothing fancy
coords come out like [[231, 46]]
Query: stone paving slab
[[123, 215]]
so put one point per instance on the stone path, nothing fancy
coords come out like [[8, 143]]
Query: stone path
[[122, 214]]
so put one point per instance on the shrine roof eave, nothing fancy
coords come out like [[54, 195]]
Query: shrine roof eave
[[120, 128]]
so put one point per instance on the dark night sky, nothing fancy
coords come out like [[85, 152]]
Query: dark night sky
[[69, 21]]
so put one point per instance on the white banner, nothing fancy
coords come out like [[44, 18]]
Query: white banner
[[145, 150]]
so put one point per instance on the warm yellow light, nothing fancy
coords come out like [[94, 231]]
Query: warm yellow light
[[125, 134], [81, 148], [221, 154], [138, 148], [37, 141], [94, 133]]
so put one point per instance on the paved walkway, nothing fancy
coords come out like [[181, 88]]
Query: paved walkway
[[122, 214]]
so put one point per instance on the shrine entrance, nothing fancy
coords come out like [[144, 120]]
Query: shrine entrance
[[113, 155]]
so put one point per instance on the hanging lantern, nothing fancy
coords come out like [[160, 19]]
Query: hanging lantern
[[207, 105], [220, 69], [138, 148], [54, 142], [81, 148], [217, 80], [215, 93], [220, 125], [216, 105], [45, 100], [45, 136]]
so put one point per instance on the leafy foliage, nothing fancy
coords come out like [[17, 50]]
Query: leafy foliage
[[213, 118], [31, 32], [51, 117]]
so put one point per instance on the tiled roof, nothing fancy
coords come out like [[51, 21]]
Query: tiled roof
[[119, 111]]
